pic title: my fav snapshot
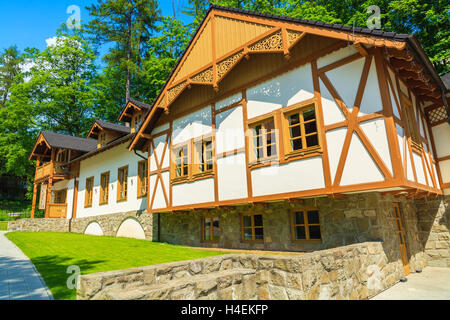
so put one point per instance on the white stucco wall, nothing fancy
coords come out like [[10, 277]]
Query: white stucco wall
[[94, 229], [131, 228], [285, 90], [110, 160], [294, 176]]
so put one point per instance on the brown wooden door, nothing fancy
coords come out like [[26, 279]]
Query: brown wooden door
[[401, 238]]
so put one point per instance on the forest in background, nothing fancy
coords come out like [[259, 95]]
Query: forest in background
[[64, 87]]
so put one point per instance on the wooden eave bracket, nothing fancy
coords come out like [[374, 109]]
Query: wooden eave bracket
[[361, 49]]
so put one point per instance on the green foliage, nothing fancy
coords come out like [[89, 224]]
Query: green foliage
[[57, 95], [128, 25], [165, 50], [53, 253], [10, 67]]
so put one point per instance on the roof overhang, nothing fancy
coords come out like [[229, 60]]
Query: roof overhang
[[128, 111], [40, 149]]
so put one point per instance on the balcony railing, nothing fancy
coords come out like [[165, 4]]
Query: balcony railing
[[57, 210], [49, 169]]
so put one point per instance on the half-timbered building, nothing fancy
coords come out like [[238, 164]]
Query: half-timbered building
[[273, 133]]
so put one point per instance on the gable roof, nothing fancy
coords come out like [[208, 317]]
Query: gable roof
[[57, 140], [133, 103], [176, 83], [108, 126]]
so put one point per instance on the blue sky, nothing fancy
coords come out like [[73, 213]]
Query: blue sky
[[28, 23]]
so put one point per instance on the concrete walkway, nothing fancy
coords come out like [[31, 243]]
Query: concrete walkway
[[432, 284], [19, 279]]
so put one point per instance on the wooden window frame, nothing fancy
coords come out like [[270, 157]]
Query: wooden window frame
[[306, 224], [411, 125], [142, 178], [56, 193], [88, 197], [120, 185], [196, 172], [252, 215], [298, 108], [253, 161], [211, 229], [173, 168], [102, 139], [102, 190]]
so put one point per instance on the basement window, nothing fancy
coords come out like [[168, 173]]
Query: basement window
[[306, 225], [252, 227], [210, 229]]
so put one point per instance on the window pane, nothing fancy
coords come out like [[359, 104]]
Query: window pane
[[310, 127], [248, 234], [258, 220], [207, 223], [313, 217], [294, 119], [309, 115], [312, 141], [297, 144], [300, 233], [259, 234], [247, 221], [216, 223], [295, 132], [207, 235], [299, 219], [314, 232]]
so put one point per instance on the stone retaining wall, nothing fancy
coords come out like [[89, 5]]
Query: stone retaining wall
[[434, 223], [109, 223], [356, 271]]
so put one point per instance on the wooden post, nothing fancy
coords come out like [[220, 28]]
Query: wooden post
[[49, 197], [34, 200], [75, 199]]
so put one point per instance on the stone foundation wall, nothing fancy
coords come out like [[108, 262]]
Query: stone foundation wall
[[352, 272], [109, 223], [39, 225], [356, 219], [434, 223]]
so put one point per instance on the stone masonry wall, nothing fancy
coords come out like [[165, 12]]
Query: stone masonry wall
[[356, 219], [109, 223], [434, 223], [356, 271]]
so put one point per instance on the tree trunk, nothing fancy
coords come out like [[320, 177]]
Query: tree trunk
[[127, 97]]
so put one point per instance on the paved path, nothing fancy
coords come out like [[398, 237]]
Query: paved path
[[19, 279], [432, 284]]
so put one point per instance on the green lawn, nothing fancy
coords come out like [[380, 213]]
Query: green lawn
[[52, 253], [3, 226]]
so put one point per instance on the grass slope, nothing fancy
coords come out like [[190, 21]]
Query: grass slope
[[53, 253]]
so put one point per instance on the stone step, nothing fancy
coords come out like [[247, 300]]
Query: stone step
[[216, 285]]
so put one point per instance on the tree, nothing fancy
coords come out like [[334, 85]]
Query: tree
[[10, 66], [165, 50], [128, 24]]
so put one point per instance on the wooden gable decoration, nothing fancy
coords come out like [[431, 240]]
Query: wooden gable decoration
[[225, 38]]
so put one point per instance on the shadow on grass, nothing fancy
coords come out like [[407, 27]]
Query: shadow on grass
[[53, 270]]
